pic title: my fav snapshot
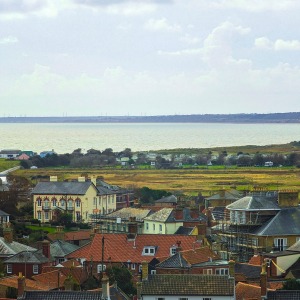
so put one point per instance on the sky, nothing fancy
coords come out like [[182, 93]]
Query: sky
[[150, 57]]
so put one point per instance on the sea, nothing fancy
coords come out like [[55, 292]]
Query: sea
[[66, 137]]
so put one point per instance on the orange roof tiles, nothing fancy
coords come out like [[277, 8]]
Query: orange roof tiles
[[119, 249], [244, 291], [199, 255], [52, 280], [31, 285], [255, 260]]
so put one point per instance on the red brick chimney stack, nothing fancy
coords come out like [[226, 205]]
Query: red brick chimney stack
[[263, 280], [46, 248], [21, 285]]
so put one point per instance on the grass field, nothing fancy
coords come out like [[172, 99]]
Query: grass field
[[7, 164], [189, 181]]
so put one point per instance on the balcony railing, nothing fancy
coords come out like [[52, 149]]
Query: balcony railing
[[46, 207]]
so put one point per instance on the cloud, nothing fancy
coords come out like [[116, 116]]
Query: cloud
[[161, 25], [255, 6], [279, 45], [189, 39], [9, 40]]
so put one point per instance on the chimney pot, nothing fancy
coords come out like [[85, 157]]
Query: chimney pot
[[21, 285]]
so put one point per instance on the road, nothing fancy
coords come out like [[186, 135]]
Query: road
[[6, 172]]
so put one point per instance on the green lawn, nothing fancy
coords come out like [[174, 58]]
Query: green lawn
[[7, 164], [44, 228]]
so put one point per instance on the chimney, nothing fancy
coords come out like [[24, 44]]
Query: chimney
[[21, 285], [178, 213], [81, 179], [179, 248], [144, 270], [105, 287], [8, 233], [194, 212], [132, 226], [201, 230], [138, 290], [46, 248], [53, 178], [69, 283], [263, 280], [231, 264]]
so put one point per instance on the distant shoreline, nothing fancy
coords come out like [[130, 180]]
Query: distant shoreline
[[278, 118]]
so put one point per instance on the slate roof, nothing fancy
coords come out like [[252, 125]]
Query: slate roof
[[184, 230], [255, 203], [250, 271], [102, 190], [61, 188], [168, 215], [2, 213], [286, 222], [61, 248], [120, 249], [127, 212], [9, 249], [187, 284], [283, 295], [29, 257], [161, 216], [188, 258], [227, 195], [218, 213], [168, 199]]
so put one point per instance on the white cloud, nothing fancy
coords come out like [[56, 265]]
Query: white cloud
[[9, 40], [191, 51], [188, 39], [161, 25], [255, 6], [278, 45]]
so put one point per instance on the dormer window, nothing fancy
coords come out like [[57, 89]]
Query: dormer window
[[149, 250], [173, 250]]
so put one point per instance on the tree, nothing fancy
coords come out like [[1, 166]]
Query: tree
[[123, 277], [64, 218]]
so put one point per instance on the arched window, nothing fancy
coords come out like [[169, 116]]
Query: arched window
[[39, 202], [54, 202], [62, 202], [46, 203], [70, 203]]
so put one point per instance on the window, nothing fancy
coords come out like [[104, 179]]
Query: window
[[132, 266], [173, 250], [206, 298], [46, 204], [207, 271], [140, 268], [147, 226], [46, 215], [95, 201], [35, 269], [280, 243], [149, 250], [39, 215], [77, 203], [160, 228], [112, 199], [153, 272], [62, 202], [70, 204], [9, 268], [222, 271], [99, 268], [77, 216], [54, 201], [160, 298], [183, 298], [61, 260], [153, 227], [39, 202]]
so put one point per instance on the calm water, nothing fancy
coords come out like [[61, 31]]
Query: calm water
[[64, 138]]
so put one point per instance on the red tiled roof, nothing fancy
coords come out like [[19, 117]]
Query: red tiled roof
[[275, 285], [119, 249], [31, 285], [70, 236], [51, 279], [255, 260], [199, 255], [79, 274], [244, 291], [71, 263]]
